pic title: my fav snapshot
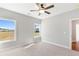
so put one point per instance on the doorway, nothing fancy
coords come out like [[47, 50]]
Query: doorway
[[36, 32], [75, 35]]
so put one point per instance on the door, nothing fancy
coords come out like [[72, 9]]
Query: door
[[75, 35]]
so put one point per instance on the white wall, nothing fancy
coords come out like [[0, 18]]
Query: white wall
[[24, 27], [56, 29]]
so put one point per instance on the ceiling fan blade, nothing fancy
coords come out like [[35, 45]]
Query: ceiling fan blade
[[49, 7], [33, 10], [47, 12], [38, 4], [42, 5]]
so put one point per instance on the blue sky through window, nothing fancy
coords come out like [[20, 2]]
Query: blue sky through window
[[7, 24]]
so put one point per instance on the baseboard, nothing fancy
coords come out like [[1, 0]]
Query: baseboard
[[25, 45], [29, 45], [22, 45], [55, 44]]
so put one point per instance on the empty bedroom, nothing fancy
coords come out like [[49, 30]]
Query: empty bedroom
[[39, 29]]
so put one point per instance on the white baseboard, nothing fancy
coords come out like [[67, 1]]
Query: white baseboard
[[24, 44], [29, 45], [55, 44], [13, 46]]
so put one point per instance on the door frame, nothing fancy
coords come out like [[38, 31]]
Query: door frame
[[70, 30]]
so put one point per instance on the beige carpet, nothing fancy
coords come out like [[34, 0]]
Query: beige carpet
[[40, 49]]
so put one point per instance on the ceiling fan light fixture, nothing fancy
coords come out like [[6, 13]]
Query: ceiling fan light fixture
[[43, 8], [41, 11]]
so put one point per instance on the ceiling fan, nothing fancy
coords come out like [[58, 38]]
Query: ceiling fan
[[42, 8]]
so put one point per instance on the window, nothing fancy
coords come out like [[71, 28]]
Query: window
[[7, 29]]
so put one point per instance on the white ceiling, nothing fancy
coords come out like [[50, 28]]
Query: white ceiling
[[24, 8]]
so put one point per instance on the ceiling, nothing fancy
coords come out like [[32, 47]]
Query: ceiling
[[24, 8]]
